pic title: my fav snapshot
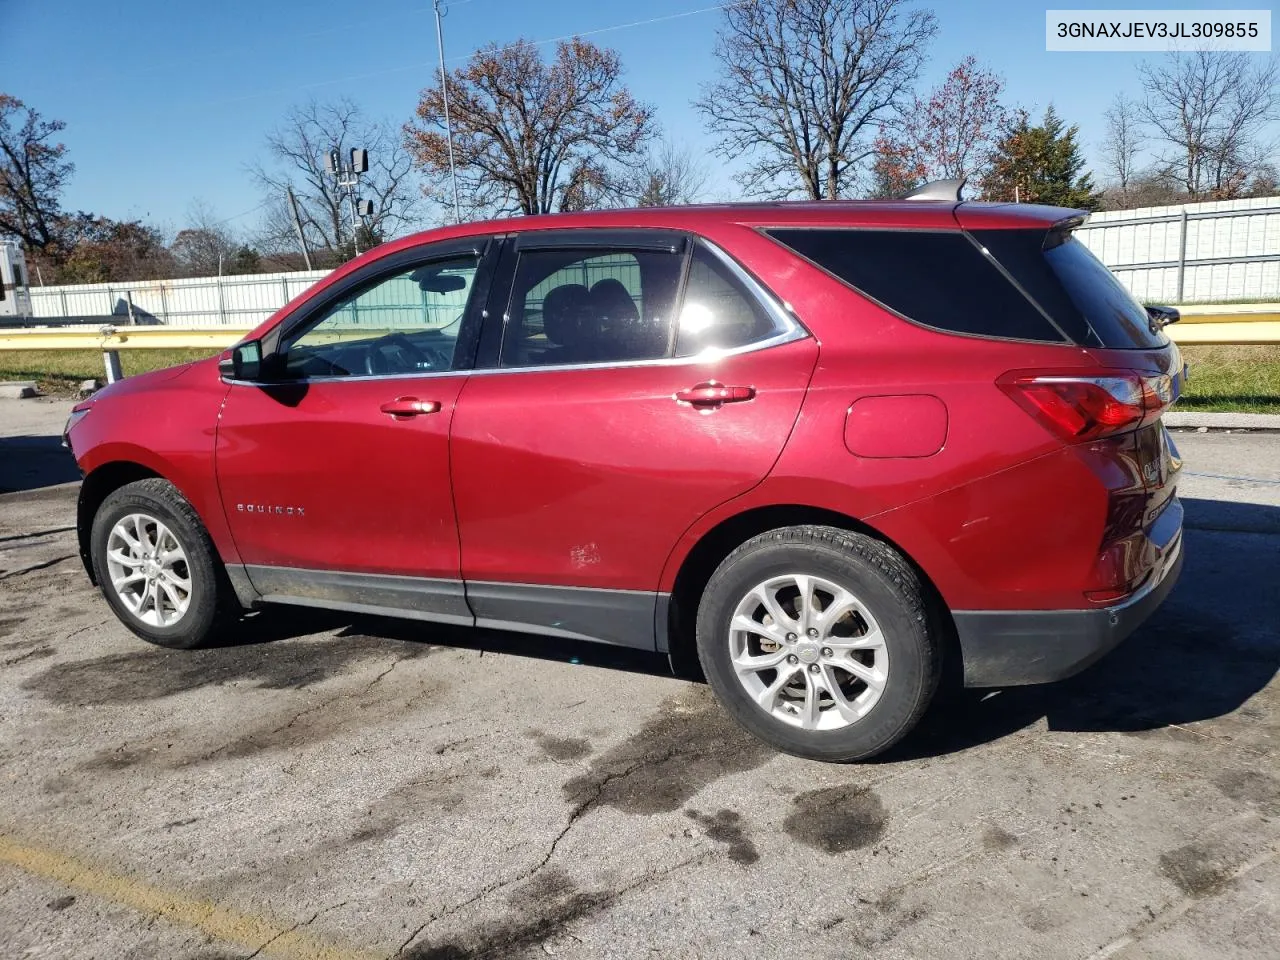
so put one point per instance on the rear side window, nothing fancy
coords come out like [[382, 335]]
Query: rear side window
[[937, 278], [717, 313], [590, 306], [1073, 286]]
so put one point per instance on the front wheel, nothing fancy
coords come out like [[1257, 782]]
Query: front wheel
[[819, 642], [156, 565]]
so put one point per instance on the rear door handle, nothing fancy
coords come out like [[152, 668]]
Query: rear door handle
[[404, 407], [712, 393]]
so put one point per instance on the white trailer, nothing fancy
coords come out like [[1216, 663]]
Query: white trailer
[[15, 298]]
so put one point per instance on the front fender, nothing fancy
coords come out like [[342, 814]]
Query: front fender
[[166, 428]]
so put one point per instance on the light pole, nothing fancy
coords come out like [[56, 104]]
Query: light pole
[[448, 126]]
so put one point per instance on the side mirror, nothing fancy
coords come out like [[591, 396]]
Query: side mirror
[[244, 363], [1159, 317]]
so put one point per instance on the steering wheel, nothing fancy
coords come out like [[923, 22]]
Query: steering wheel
[[376, 361]]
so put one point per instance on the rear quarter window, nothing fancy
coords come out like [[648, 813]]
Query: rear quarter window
[[940, 279], [1073, 287]]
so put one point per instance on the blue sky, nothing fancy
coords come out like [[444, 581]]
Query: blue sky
[[167, 101]]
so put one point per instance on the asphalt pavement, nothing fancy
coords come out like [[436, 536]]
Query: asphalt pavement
[[336, 787]]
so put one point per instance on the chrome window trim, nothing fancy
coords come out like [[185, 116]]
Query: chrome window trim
[[789, 329], [351, 378], [710, 355]]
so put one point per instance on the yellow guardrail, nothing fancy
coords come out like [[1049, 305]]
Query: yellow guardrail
[[1230, 313], [111, 340], [1226, 333], [119, 338]]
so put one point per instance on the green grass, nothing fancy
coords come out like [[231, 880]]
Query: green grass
[[1243, 379], [60, 371]]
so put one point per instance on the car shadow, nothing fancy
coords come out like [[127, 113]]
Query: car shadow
[[275, 623], [1206, 651], [32, 462], [1212, 645]]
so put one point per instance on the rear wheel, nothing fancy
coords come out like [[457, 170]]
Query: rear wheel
[[818, 641], [156, 566]]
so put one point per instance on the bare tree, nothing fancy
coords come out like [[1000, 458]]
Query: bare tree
[[1122, 143], [1265, 182], [204, 247], [806, 84], [33, 172], [1209, 109], [671, 174], [1147, 188], [948, 135], [298, 148], [532, 136]]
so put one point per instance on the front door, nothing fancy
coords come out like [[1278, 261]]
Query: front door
[[334, 469], [624, 403]]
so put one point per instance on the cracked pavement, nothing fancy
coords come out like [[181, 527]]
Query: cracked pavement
[[337, 787]]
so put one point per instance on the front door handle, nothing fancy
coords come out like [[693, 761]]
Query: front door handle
[[712, 393], [403, 407]]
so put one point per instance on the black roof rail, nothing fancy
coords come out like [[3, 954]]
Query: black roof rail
[[938, 190]]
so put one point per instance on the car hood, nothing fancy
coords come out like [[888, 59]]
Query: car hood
[[142, 381]]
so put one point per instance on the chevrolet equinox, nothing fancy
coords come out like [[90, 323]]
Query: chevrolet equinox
[[824, 445]]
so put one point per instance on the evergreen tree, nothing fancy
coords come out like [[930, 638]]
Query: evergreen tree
[[245, 260], [1040, 164]]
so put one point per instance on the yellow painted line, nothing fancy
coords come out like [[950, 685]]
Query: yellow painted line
[[271, 936], [1225, 334], [155, 338]]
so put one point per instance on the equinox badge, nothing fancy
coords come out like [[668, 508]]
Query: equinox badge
[[270, 508]]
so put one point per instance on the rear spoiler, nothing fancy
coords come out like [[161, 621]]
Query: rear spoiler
[[1061, 229]]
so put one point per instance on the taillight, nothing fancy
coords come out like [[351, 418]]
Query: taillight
[[1088, 406]]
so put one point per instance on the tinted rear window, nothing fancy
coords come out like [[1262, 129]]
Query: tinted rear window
[[939, 279], [1073, 287]]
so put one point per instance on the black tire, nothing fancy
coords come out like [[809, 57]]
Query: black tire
[[211, 601], [891, 590]]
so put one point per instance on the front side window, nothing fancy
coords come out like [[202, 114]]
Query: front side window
[[590, 306], [400, 324]]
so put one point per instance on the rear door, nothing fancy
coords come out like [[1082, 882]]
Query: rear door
[[629, 383]]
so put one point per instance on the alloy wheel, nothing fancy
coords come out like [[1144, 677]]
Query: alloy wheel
[[149, 570], [808, 652]]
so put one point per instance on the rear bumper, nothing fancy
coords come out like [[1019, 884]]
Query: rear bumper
[[1002, 648]]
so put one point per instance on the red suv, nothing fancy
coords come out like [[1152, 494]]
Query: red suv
[[823, 444]]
